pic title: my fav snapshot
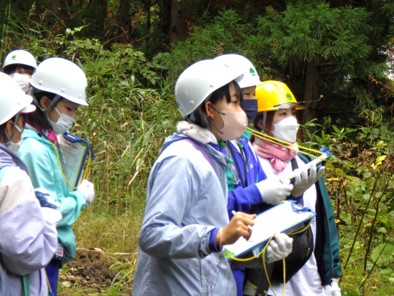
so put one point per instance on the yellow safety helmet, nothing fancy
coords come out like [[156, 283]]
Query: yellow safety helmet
[[273, 95]]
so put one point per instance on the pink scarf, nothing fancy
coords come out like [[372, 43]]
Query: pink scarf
[[50, 134], [276, 154]]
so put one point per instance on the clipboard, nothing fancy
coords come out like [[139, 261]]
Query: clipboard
[[75, 155], [283, 217]]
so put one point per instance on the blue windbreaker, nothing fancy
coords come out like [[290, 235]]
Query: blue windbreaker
[[244, 194]]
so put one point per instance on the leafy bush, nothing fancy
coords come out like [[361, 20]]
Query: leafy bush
[[360, 180]]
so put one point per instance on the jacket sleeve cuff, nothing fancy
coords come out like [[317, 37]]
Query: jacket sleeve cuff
[[205, 245], [212, 245]]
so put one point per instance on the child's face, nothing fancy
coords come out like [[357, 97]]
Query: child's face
[[66, 107], [234, 106], [282, 114], [23, 71]]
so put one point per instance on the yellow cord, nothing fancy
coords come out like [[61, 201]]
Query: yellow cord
[[285, 144], [84, 173], [302, 229], [263, 252]]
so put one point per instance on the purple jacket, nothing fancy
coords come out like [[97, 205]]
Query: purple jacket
[[27, 240]]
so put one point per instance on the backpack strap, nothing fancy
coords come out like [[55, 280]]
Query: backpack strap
[[294, 165]]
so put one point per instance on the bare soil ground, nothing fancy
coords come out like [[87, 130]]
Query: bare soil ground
[[90, 271]]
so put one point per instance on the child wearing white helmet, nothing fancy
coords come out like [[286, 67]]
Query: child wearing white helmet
[[28, 239], [20, 65], [58, 88], [186, 224], [252, 188]]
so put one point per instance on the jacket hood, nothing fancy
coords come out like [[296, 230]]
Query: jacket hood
[[9, 158], [212, 149]]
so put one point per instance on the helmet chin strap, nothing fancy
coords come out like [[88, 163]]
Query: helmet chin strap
[[51, 104], [264, 118]]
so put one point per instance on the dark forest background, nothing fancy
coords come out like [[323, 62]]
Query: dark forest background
[[336, 57]]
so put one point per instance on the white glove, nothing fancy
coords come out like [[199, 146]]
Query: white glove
[[303, 180], [280, 247], [334, 289], [273, 191], [87, 188]]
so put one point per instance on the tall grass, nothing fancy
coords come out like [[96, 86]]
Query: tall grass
[[132, 109]]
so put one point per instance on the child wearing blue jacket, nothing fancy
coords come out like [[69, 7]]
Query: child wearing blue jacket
[[251, 188]]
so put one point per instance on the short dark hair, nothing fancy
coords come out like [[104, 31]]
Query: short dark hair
[[268, 121], [39, 118], [199, 115], [12, 68]]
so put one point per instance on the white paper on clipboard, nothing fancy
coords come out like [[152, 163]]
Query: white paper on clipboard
[[279, 218], [75, 152]]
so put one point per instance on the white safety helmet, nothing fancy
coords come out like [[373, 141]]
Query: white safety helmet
[[12, 99], [61, 77], [242, 64], [19, 57], [199, 81]]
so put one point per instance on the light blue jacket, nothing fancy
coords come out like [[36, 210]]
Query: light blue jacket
[[40, 156], [27, 240], [186, 200]]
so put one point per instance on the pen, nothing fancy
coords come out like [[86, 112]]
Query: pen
[[234, 213]]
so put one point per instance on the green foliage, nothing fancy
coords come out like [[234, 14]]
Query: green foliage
[[361, 184], [303, 32], [126, 122], [208, 41], [132, 108]]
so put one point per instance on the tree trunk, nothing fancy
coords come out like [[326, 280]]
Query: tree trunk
[[97, 13], [124, 21], [181, 16], [311, 91], [165, 22]]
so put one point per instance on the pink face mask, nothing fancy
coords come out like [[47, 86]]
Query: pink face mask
[[235, 124]]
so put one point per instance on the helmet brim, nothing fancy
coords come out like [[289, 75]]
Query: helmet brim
[[28, 109], [288, 106]]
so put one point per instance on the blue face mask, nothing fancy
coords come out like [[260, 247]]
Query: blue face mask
[[250, 108]]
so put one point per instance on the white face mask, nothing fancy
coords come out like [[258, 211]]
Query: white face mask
[[23, 81], [286, 129], [235, 124], [15, 146], [63, 124]]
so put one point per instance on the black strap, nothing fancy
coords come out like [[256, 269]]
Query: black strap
[[294, 165]]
